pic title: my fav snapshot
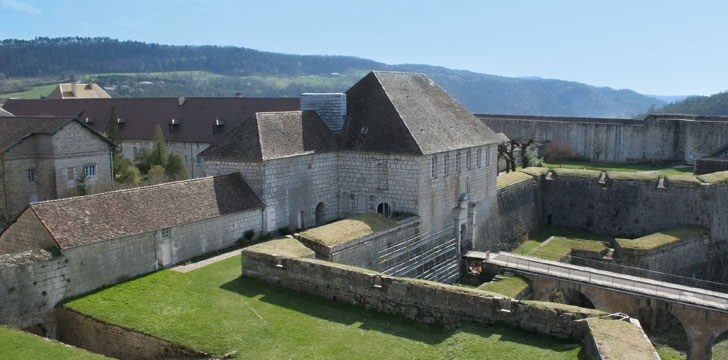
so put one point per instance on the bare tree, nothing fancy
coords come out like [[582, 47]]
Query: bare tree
[[558, 152]]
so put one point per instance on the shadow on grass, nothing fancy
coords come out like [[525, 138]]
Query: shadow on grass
[[350, 315]]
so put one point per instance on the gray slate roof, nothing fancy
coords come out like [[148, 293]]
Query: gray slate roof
[[15, 129], [406, 112], [275, 135], [88, 219]]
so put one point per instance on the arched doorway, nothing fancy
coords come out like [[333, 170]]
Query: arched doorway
[[320, 214], [383, 208]]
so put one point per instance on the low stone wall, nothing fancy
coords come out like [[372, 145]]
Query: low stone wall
[[115, 341], [670, 258], [420, 300]]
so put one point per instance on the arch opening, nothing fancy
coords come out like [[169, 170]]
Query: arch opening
[[320, 214], [662, 327], [383, 208], [570, 297], [719, 347]]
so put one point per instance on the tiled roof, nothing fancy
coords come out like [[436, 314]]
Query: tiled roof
[[87, 219], [196, 115], [14, 129], [408, 113], [275, 135]]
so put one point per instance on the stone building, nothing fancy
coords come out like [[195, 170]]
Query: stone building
[[47, 158], [398, 144], [189, 125], [76, 90], [106, 238]]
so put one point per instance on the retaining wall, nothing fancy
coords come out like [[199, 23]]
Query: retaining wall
[[420, 300]]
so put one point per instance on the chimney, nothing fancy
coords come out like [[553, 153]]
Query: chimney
[[74, 88], [181, 99], [330, 107]]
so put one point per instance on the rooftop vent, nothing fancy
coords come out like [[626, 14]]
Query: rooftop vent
[[330, 107]]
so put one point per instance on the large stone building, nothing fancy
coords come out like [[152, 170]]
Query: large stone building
[[189, 125], [393, 143], [76, 90], [46, 158]]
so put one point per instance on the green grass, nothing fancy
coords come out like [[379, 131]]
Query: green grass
[[620, 339], [662, 238], [543, 233], [582, 173], [715, 178], [16, 344], [34, 93], [559, 247], [682, 179], [511, 179], [285, 246], [343, 231], [648, 177], [507, 284], [664, 169], [215, 309]]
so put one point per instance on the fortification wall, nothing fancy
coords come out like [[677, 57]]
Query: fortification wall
[[670, 258], [420, 300], [115, 341], [658, 138]]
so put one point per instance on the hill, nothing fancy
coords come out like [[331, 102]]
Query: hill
[[139, 69], [716, 104]]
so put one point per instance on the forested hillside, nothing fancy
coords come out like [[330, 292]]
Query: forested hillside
[[702, 105], [133, 68]]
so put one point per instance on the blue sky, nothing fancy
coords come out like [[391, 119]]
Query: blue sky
[[654, 47]]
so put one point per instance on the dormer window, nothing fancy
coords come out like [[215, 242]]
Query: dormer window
[[218, 126], [173, 124], [89, 120], [121, 121]]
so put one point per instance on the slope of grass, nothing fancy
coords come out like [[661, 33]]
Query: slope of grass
[[664, 169], [217, 310], [559, 247], [661, 238], [511, 179], [16, 344], [36, 92], [346, 230], [507, 284]]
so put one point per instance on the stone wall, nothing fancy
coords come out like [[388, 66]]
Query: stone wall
[[658, 138], [518, 213], [678, 258], [252, 172], [74, 146], [420, 300], [115, 341], [36, 283]]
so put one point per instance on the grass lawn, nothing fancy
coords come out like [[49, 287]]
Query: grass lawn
[[16, 344], [560, 247], [665, 169], [543, 233], [343, 231], [216, 310], [35, 93], [507, 284], [661, 238]]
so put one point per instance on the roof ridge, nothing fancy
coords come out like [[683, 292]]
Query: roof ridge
[[108, 193]]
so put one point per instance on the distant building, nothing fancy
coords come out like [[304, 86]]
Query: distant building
[[76, 90], [189, 125], [45, 158]]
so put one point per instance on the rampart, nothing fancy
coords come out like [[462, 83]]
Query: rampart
[[627, 205], [420, 300], [657, 138]]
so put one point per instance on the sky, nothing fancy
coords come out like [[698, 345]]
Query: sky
[[661, 47]]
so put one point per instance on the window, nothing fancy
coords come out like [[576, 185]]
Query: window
[[70, 173], [186, 161], [479, 157], [434, 166], [89, 170], [458, 162], [445, 165], [31, 176], [468, 159], [166, 232], [487, 156], [382, 176], [33, 198], [135, 151]]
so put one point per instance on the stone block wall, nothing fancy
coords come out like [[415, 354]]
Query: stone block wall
[[115, 341], [252, 172], [420, 300], [74, 146], [26, 233], [676, 258]]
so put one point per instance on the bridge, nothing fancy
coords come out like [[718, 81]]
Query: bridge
[[703, 313]]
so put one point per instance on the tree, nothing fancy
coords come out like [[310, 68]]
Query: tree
[[523, 146], [126, 173], [505, 152], [158, 156], [113, 133], [176, 168], [142, 160], [559, 152], [156, 175]]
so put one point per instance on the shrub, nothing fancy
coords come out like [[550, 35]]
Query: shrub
[[559, 152]]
